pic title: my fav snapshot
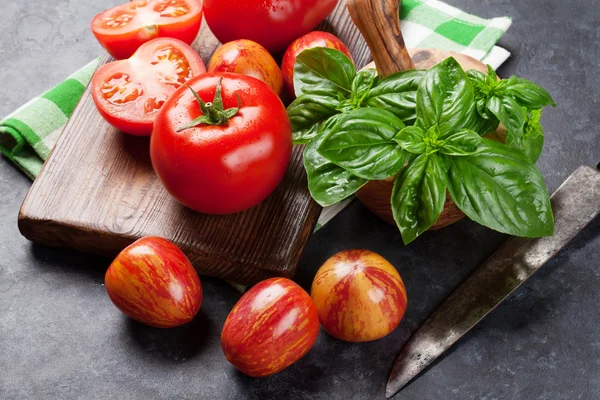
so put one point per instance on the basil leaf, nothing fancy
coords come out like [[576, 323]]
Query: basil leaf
[[510, 113], [362, 143], [461, 143], [445, 98], [476, 77], [482, 125], [397, 94], [321, 71], [531, 142], [530, 95], [362, 83], [419, 196], [492, 76], [327, 182], [307, 111], [411, 139], [501, 189]]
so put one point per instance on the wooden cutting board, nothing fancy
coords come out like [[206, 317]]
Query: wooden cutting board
[[98, 193]]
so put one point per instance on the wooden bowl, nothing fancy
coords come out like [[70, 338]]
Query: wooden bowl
[[376, 195]]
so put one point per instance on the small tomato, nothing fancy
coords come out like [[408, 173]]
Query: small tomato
[[248, 58], [309, 41], [359, 296], [153, 282], [271, 327]]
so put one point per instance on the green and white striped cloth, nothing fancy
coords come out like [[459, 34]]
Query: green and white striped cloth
[[28, 134]]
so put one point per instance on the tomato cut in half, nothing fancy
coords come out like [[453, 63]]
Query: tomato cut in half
[[129, 93], [121, 30]]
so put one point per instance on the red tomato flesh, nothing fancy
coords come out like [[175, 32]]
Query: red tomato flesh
[[272, 326], [129, 93], [222, 169], [123, 29]]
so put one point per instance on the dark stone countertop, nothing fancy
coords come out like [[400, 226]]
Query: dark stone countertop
[[60, 337]]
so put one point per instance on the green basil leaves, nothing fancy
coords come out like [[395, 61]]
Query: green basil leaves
[[362, 143], [419, 195], [512, 102], [425, 129], [501, 189], [327, 84]]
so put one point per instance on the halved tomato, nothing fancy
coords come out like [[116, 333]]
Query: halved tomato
[[129, 93], [122, 29]]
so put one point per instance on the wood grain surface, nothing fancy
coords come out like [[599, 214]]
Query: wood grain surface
[[98, 193], [379, 24]]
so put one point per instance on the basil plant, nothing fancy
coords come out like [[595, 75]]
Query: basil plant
[[425, 128]]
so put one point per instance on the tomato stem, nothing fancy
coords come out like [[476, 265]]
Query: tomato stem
[[213, 112]]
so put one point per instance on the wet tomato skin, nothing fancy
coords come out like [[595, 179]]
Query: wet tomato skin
[[121, 30], [153, 282], [248, 58], [222, 169], [359, 296], [308, 41], [128, 93], [274, 24], [271, 327]]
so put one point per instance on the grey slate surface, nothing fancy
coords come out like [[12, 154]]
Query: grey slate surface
[[61, 338]]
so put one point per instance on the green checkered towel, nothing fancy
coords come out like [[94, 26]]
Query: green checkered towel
[[28, 134]]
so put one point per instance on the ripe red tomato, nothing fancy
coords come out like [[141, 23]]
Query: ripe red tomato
[[153, 282], [231, 163], [121, 30], [129, 93], [309, 41], [248, 58], [359, 296], [272, 23], [272, 326]]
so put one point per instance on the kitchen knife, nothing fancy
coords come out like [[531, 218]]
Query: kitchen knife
[[575, 204]]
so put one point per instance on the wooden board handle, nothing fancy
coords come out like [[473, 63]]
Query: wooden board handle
[[379, 23]]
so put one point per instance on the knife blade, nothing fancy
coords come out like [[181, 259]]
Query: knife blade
[[575, 204]]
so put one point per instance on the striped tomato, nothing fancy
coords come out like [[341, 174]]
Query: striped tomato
[[271, 327], [153, 282], [359, 296], [248, 58]]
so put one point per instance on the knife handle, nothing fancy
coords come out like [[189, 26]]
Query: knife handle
[[379, 23]]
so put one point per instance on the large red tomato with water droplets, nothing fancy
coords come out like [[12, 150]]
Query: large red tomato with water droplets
[[272, 326], [222, 144], [121, 30], [153, 282], [273, 24], [359, 296], [129, 93]]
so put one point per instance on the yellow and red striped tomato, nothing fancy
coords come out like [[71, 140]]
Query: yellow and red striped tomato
[[153, 282], [271, 327], [359, 296], [248, 58], [309, 41]]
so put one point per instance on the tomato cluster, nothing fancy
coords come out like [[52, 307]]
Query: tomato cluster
[[220, 141], [357, 296]]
